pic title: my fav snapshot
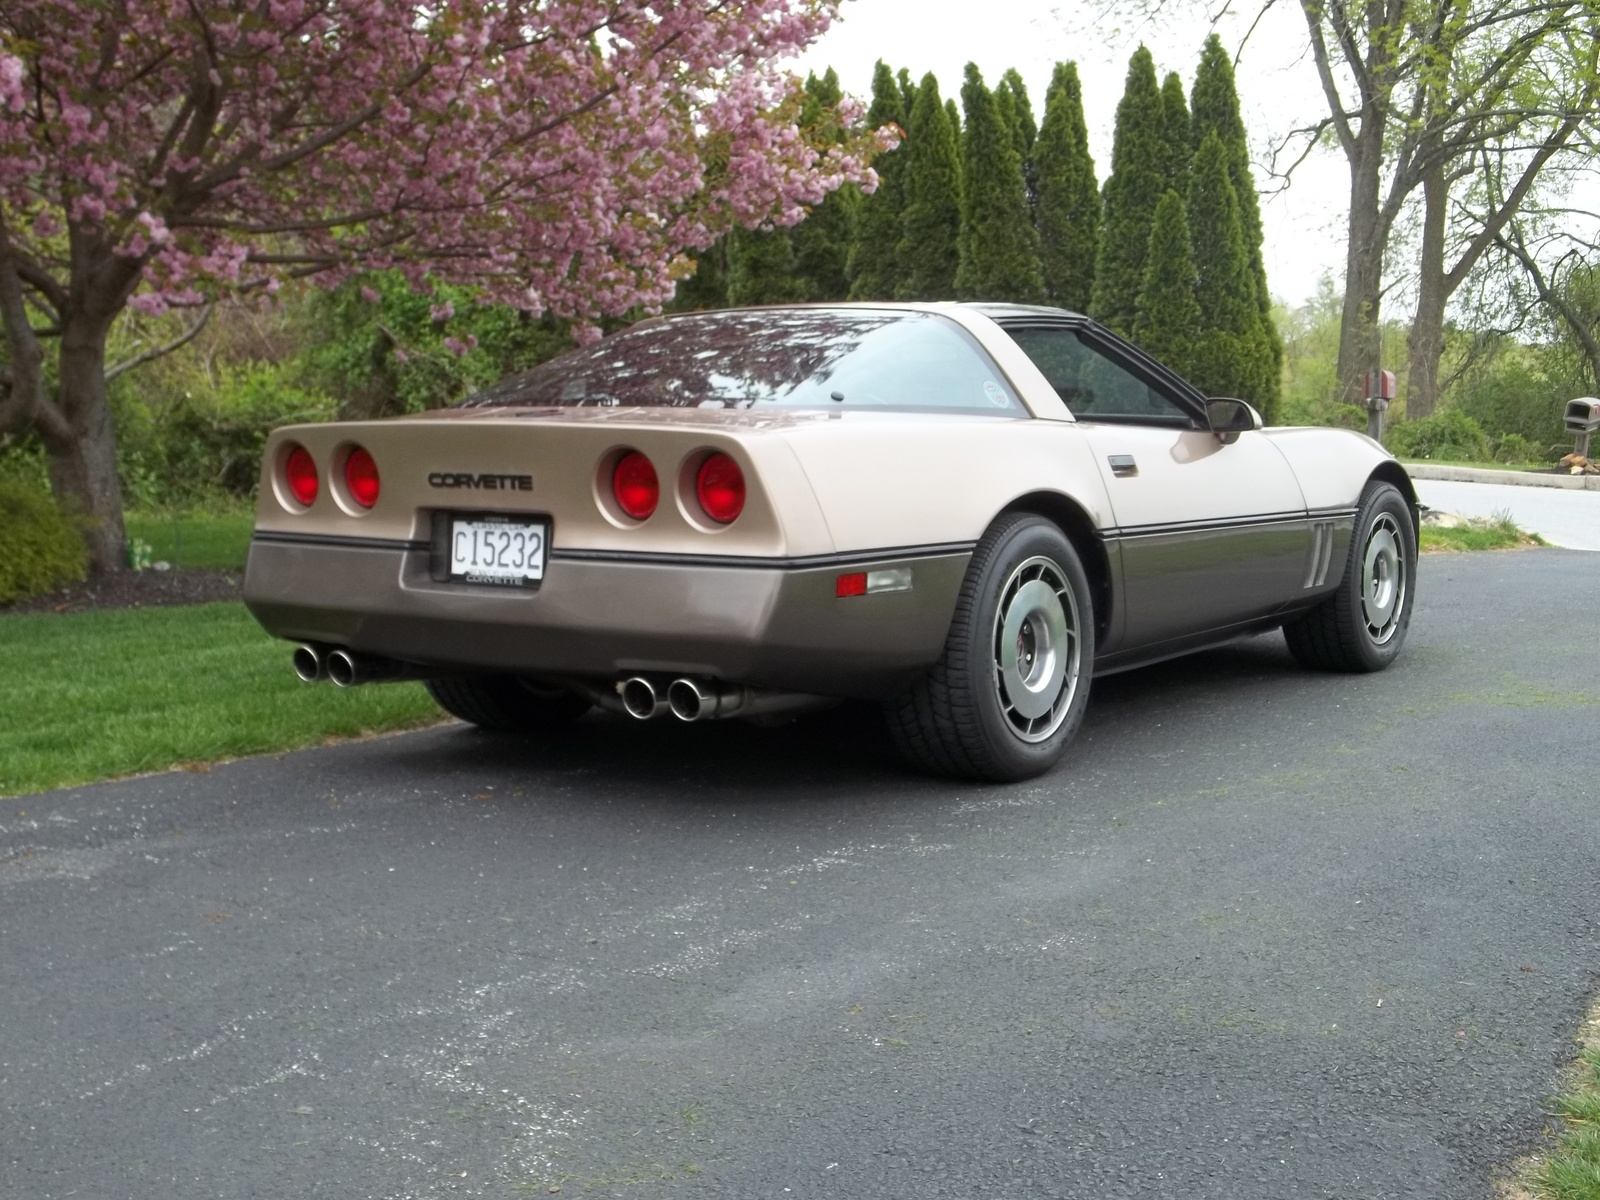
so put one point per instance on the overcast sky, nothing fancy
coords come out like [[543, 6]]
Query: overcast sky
[[1277, 82]]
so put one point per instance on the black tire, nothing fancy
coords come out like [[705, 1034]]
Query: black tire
[[506, 703], [960, 719], [1354, 629]]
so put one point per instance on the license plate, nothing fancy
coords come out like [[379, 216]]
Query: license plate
[[501, 551]]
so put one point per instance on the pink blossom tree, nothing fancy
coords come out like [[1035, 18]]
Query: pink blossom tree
[[558, 155]]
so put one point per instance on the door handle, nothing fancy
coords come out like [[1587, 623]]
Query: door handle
[[1122, 465]]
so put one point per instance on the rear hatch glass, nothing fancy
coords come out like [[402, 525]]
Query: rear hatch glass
[[808, 358]]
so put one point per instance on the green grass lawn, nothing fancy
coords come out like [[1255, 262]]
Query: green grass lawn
[[1481, 533], [95, 695], [1572, 1171], [202, 539]]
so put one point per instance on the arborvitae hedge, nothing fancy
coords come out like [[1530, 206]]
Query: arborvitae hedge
[[999, 246], [1021, 109], [908, 92], [1214, 105], [1169, 313], [1179, 151], [874, 269], [1011, 94], [1068, 215], [822, 241], [1231, 354], [929, 250], [1139, 158], [708, 286], [761, 268]]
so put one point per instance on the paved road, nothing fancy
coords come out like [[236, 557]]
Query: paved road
[[1267, 934], [1561, 516]]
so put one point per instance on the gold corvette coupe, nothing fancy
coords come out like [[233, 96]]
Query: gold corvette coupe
[[963, 511]]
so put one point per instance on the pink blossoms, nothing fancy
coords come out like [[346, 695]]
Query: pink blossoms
[[555, 154]]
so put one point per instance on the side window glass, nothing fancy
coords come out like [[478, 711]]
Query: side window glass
[[1089, 384]]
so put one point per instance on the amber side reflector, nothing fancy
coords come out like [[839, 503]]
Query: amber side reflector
[[300, 473], [854, 584]]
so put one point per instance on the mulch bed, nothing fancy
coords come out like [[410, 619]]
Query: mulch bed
[[137, 589]]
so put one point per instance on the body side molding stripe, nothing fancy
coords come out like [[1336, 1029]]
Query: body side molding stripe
[[334, 539], [839, 559], [1216, 523], [646, 557]]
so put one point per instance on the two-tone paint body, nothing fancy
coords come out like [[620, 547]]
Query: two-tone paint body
[[1189, 539]]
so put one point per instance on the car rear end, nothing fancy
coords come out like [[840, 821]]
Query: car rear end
[[581, 545]]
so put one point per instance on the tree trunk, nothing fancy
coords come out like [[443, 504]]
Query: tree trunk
[[1360, 336], [1426, 340], [83, 465]]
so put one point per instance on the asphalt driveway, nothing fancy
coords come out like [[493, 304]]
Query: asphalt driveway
[[1265, 934]]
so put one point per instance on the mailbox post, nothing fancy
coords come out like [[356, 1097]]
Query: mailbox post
[[1583, 418], [1380, 390]]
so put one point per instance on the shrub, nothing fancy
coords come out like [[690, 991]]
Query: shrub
[[1519, 393], [205, 445], [1514, 448], [41, 548], [1450, 434]]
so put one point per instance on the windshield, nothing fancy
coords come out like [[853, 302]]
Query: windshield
[[782, 358]]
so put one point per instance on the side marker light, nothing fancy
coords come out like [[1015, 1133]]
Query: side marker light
[[872, 583]]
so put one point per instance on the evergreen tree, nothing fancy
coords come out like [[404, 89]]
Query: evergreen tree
[[1179, 148], [1012, 96], [1214, 104], [1231, 355], [999, 246], [908, 92], [872, 267], [761, 268], [821, 242], [1022, 108], [1069, 197], [1139, 158], [708, 286], [929, 251], [1169, 314]]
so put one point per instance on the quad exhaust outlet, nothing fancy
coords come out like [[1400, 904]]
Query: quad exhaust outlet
[[691, 699], [642, 697], [347, 668], [310, 663]]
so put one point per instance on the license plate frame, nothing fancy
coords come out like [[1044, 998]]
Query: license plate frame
[[452, 561]]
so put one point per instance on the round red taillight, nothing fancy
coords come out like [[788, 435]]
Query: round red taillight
[[361, 477], [634, 484], [300, 473], [719, 486]]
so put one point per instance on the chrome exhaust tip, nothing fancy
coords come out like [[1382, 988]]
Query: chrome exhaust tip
[[309, 664], [343, 669], [690, 700], [640, 698]]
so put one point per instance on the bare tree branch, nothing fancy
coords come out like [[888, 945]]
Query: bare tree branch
[[155, 352]]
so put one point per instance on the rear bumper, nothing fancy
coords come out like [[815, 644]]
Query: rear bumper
[[764, 624]]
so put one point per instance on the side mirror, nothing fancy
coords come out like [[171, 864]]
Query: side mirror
[[1230, 418]]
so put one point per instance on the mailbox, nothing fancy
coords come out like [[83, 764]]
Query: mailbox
[[1583, 415]]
